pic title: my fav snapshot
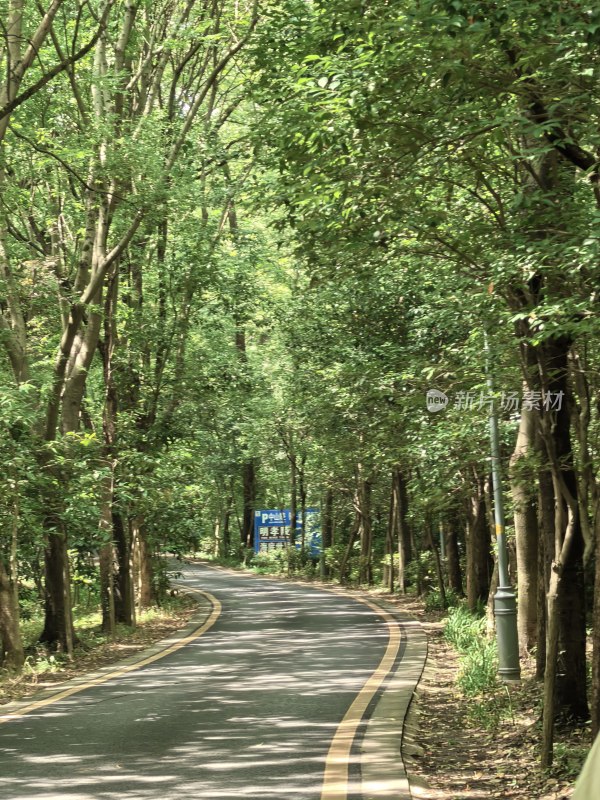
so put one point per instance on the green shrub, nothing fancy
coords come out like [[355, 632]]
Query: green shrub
[[463, 628], [268, 562], [478, 668], [478, 654], [333, 557], [421, 571], [30, 603], [433, 601], [289, 560]]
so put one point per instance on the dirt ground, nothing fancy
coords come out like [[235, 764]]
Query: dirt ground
[[461, 755]]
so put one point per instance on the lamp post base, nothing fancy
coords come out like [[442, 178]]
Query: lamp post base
[[505, 612]]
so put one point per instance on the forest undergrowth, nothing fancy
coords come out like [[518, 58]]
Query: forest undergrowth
[[480, 737]]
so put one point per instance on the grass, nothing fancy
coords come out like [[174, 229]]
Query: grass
[[488, 701]]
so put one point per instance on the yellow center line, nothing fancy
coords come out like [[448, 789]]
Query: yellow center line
[[335, 779], [195, 634]]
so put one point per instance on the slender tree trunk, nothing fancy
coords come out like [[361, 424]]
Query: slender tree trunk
[[106, 560], [526, 532], [589, 510], [453, 558], [596, 638], [293, 495], [417, 558], [225, 538], [142, 559], [123, 582], [107, 596], [565, 673], [124, 594], [390, 547], [552, 635], [546, 555], [302, 490], [437, 564], [354, 531], [572, 676], [366, 530], [58, 620], [405, 549], [11, 646], [478, 548], [217, 541], [326, 531], [249, 494], [249, 464]]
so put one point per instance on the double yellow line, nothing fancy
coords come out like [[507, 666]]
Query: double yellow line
[[337, 763], [55, 698]]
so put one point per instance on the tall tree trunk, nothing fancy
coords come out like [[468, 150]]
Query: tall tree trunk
[[545, 554], [124, 585], [565, 687], [11, 646], [302, 491], [142, 564], [390, 545], [405, 550], [225, 537], [293, 494], [363, 496], [326, 530], [106, 559], [596, 638], [354, 531], [589, 509], [437, 563], [572, 677], [107, 595], [549, 701], [123, 581], [478, 543], [249, 464], [58, 629], [526, 532], [453, 557], [249, 495]]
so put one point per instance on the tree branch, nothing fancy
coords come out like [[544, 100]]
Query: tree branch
[[9, 107]]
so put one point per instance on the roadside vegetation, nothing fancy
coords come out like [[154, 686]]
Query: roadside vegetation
[[44, 667]]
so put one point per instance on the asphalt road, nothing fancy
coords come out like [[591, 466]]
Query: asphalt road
[[248, 709]]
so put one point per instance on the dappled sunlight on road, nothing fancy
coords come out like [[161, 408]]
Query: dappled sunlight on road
[[247, 710]]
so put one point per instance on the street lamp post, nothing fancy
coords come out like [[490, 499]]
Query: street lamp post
[[505, 601]]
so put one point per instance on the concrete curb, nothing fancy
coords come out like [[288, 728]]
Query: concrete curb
[[412, 751], [390, 739], [196, 620]]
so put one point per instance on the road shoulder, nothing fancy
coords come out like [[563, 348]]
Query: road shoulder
[[46, 696]]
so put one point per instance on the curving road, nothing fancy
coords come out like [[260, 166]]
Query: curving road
[[249, 709]]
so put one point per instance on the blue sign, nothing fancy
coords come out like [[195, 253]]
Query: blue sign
[[272, 530]]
